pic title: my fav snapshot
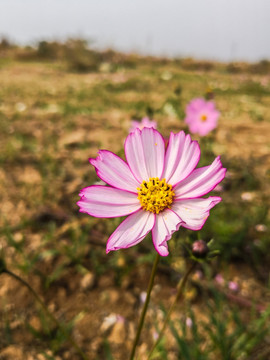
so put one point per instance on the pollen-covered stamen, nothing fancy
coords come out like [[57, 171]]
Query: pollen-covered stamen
[[203, 118], [155, 195]]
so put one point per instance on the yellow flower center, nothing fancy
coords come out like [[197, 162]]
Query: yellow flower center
[[203, 118], [155, 195]]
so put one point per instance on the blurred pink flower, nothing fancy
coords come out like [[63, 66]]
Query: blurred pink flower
[[189, 322], [232, 285], [219, 279], [145, 122], [143, 297], [201, 116], [155, 335], [158, 190]]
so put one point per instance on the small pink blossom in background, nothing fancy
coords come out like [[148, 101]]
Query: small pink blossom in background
[[189, 322], [121, 319], [145, 122], [219, 279], [155, 335], [158, 189], [201, 116], [232, 285]]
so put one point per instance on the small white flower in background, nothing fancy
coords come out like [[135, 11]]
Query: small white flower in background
[[247, 196], [111, 320], [20, 107], [108, 322], [166, 75], [105, 67], [142, 297], [261, 227], [169, 109]]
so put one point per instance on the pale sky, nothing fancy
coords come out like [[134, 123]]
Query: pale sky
[[207, 29]]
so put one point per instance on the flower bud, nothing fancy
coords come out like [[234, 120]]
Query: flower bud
[[200, 249]]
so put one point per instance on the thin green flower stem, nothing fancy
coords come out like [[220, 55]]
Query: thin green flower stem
[[51, 316], [149, 289], [181, 287]]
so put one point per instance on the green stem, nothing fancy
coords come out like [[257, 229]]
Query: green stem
[[180, 290], [50, 316], [150, 286]]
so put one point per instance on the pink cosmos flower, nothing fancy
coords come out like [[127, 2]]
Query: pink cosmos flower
[[145, 122], [233, 286], [201, 116], [158, 190]]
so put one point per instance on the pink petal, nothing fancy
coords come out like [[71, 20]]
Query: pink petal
[[210, 106], [195, 105], [200, 181], [146, 122], [107, 202], [194, 212], [182, 156], [167, 222], [202, 128], [145, 153], [131, 231], [134, 125], [114, 171]]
